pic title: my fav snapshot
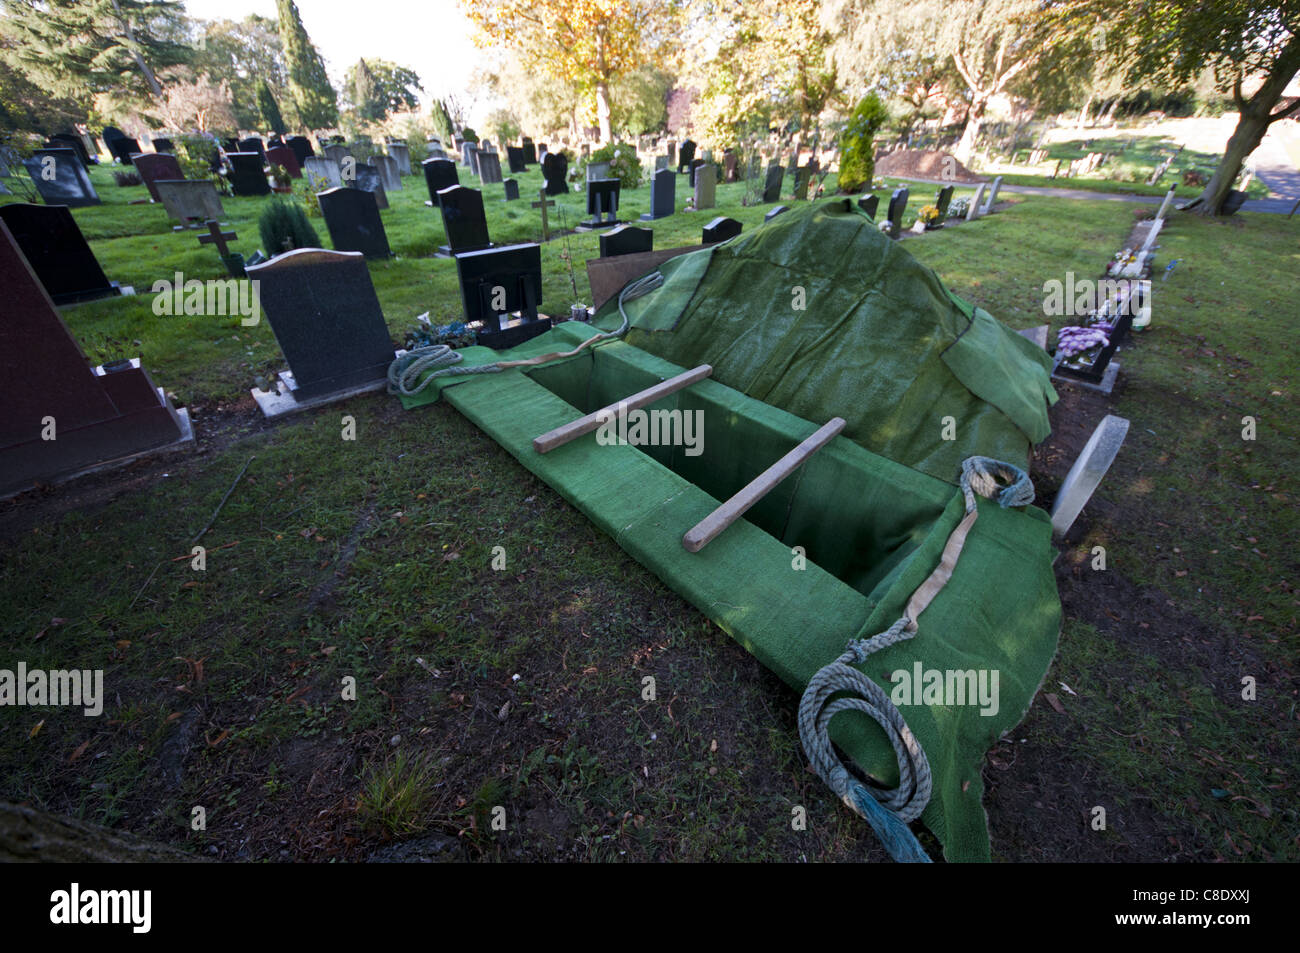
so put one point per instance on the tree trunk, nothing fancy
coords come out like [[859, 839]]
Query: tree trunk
[[145, 68], [1083, 113], [1245, 140], [974, 119], [602, 112]]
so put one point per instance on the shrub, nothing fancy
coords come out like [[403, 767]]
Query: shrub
[[857, 162], [198, 156], [624, 164], [127, 178], [284, 227], [469, 135]]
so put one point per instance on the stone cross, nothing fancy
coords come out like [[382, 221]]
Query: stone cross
[[217, 237]]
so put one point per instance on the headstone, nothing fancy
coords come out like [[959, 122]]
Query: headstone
[[286, 159], [515, 158], [802, 178], [661, 163], [1098, 454], [869, 204], [401, 155], [512, 190], [729, 173], [719, 230], [162, 144], [189, 200], [602, 203], [337, 152], [1164, 206], [897, 209], [685, 155], [389, 175], [489, 168], [597, 170], [352, 217], [323, 310], [66, 140], [942, 200], [973, 211], [662, 195], [253, 144], [705, 186], [695, 166], [463, 219], [467, 150], [555, 168], [154, 166], [57, 252], [772, 185], [501, 289], [530, 151], [98, 415], [993, 196], [247, 176], [302, 149], [626, 240], [367, 180], [775, 212], [123, 148], [439, 174], [322, 172], [541, 151], [60, 178]]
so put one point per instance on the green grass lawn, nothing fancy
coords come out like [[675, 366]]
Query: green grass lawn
[[372, 560]]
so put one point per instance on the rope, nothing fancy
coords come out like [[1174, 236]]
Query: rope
[[889, 812], [440, 360]]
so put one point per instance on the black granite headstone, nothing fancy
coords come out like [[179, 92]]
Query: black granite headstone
[[162, 144], [775, 212], [512, 190], [869, 204], [66, 140], [501, 289], [155, 166], [530, 151], [47, 387], [489, 167], [57, 251], [439, 174], [663, 188], [693, 168], [60, 178], [897, 208], [942, 200], [247, 174], [627, 240], [253, 144], [515, 159], [325, 315], [463, 219], [602, 203], [719, 230], [352, 217], [772, 185], [368, 180], [555, 167], [302, 148], [685, 155]]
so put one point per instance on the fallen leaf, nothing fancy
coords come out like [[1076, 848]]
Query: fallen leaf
[[35, 729], [450, 556], [328, 650], [80, 750], [173, 716], [1055, 703]]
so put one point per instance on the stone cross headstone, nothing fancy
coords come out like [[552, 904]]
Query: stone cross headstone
[[400, 154], [60, 178], [247, 175], [663, 189], [286, 159], [322, 172], [772, 184], [512, 190], [323, 310], [439, 174], [389, 175], [302, 149], [367, 180], [626, 240], [463, 219], [869, 204], [705, 186], [973, 211], [352, 217], [555, 168], [993, 196], [217, 238], [719, 230], [190, 200], [489, 168], [57, 252], [48, 387], [897, 209]]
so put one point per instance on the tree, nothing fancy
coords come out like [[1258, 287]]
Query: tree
[[1255, 44], [26, 107], [80, 48], [377, 88], [309, 86], [857, 157], [197, 102], [245, 53], [640, 101], [366, 99], [588, 42], [269, 109]]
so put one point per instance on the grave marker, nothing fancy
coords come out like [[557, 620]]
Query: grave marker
[[869, 204], [705, 186], [973, 210], [772, 185], [57, 252], [390, 177], [602, 203], [464, 220], [993, 196], [439, 174], [512, 190], [489, 168], [501, 289], [555, 168], [286, 159], [663, 188], [400, 153], [302, 149], [685, 155], [190, 200], [247, 176], [719, 230], [352, 217], [367, 180], [897, 209], [322, 172], [626, 240], [60, 178], [515, 159], [154, 166]]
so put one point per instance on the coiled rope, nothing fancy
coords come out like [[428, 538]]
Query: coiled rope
[[404, 374], [890, 811]]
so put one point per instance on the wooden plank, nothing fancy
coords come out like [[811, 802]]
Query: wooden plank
[[703, 532], [608, 276], [585, 425]]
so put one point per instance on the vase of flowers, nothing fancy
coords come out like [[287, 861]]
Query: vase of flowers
[[929, 215]]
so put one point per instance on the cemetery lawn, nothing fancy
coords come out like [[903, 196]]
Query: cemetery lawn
[[370, 560]]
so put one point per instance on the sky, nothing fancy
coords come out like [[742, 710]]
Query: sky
[[431, 37]]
